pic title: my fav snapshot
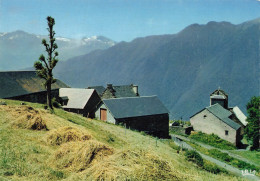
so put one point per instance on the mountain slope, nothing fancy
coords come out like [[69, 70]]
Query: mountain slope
[[14, 83], [20, 49], [182, 69]]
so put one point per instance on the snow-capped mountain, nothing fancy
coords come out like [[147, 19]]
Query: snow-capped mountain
[[20, 50]]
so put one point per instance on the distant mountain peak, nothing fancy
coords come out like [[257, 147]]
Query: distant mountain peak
[[214, 23], [15, 47]]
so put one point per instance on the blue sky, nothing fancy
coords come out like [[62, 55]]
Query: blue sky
[[120, 20]]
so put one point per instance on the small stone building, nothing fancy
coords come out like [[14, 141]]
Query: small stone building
[[215, 119], [228, 123], [112, 91], [81, 101], [146, 114]]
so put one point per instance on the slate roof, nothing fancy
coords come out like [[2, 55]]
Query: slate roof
[[78, 98], [124, 91], [223, 115], [99, 89], [135, 106]]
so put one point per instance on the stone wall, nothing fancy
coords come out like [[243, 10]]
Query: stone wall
[[110, 117], [206, 122]]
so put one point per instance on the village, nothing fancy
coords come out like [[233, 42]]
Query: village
[[123, 105]]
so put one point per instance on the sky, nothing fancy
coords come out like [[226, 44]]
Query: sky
[[120, 20]]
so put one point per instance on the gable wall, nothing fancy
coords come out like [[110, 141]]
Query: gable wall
[[92, 104], [110, 117], [211, 124]]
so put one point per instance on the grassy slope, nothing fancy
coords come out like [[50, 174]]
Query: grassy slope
[[253, 156], [25, 154]]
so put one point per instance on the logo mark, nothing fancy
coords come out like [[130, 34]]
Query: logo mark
[[248, 172]]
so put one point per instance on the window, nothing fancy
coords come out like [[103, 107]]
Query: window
[[226, 132], [205, 116]]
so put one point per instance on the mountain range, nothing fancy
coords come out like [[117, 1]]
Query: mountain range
[[19, 50], [182, 69]]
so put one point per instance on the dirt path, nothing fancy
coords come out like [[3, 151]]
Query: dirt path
[[179, 141]]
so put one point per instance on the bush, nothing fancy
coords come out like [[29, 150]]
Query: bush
[[55, 103], [194, 156], [244, 165], [213, 168], [222, 156], [231, 160]]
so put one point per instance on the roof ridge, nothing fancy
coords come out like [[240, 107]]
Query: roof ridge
[[224, 118], [137, 97]]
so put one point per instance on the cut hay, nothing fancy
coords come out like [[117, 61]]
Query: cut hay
[[77, 156], [66, 134], [28, 118], [134, 165]]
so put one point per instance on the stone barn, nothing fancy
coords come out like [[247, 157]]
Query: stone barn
[[146, 114], [80, 101]]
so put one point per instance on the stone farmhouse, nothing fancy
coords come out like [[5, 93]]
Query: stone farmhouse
[[112, 91], [218, 118]]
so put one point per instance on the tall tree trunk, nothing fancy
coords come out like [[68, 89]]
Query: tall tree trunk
[[49, 103]]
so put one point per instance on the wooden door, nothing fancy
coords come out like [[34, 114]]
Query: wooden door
[[103, 114]]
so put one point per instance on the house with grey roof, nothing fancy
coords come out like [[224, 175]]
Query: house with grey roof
[[218, 118], [146, 114], [112, 91], [99, 89], [81, 101]]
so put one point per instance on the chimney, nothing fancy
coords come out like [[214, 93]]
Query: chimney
[[109, 86], [135, 89]]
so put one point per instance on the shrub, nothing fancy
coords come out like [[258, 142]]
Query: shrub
[[55, 103], [213, 168], [194, 156], [222, 156], [233, 161], [244, 165]]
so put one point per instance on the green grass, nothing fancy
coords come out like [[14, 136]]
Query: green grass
[[253, 156], [225, 158], [25, 154], [213, 140]]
